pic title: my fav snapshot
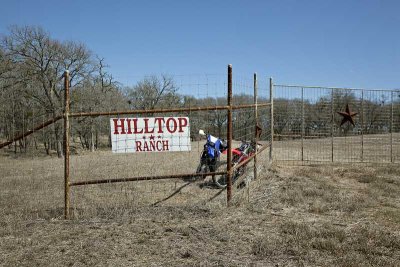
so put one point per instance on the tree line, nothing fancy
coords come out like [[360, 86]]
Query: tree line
[[319, 118], [32, 64]]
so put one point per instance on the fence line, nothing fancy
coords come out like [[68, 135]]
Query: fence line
[[303, 126], [335, 88], [231, 109], [308, 114], [229, 168], [29, 132]]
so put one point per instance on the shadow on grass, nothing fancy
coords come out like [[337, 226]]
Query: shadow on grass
[[173, 194]]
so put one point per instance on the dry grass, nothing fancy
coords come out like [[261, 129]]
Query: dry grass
[[329, 215], [369, 148]]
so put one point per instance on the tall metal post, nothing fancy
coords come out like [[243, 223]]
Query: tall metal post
[[271, 118], [302, 124], [332, 122], [255, 122], [391, 127], [362, 125], [229, 138], [66, 146]]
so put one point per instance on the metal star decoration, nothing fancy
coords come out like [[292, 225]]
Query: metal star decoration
[[347, 116]]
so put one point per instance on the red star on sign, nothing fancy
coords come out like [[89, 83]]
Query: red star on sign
[[152, 137], [347, 116]]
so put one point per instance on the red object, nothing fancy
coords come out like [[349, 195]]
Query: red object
[[237, 152], [347, 116]]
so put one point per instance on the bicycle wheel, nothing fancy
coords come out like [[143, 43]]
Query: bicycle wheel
[[202, 168], [221, 180]]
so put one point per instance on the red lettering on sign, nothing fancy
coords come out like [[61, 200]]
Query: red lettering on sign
[[149, 133], [149, 146], [145, 146], [159, 146], [152, 145], [135, 127], [138, 146], [182, 123], [146, 126], [159, 121], [128, 122], [165, 145], [168, 124], [116, 126]]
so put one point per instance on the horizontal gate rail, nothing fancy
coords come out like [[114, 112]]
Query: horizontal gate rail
[[145, 178], [29, 132], [152, 111]]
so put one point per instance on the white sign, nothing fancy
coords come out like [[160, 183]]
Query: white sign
[[156, 134]]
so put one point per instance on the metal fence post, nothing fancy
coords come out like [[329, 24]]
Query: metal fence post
[[362, 125], [271, 118], [391, 126], [302, 124], [229, 138], [255, 122], [66, 146], [332, 123]]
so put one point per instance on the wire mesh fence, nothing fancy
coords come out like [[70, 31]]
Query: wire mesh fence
[[31, 174], [92, 174], [156, 177], [309, 127]]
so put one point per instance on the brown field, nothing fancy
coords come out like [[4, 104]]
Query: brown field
[[354, 149], [315, 215]]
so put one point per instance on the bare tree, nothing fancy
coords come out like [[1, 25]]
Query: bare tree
[[98, 92], [154, 92], [39, 62]]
